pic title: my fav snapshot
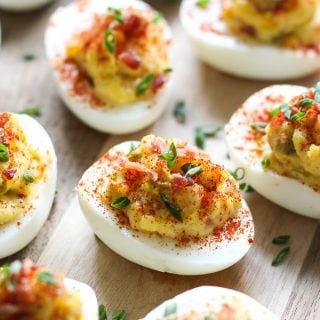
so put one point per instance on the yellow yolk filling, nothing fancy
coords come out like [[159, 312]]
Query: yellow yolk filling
[[16, 192], [117, 56], [205, 201]]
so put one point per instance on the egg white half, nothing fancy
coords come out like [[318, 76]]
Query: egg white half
[[18, 234], [63, 24], [206, 298], [152, 251], [22, 5], [88, 298], [286, 192], [209, 37]]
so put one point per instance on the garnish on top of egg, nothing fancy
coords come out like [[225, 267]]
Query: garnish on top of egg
[[275, 137], [164, 205], [32, 292], [28, 173], [210, 303], [111, 62], [260, 39]]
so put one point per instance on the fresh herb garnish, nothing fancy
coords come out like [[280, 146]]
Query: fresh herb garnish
[[210, 130], [281, 256], [187, 166], [173, 209], [119, 315], [4, 153], [116, 15], [179, 111], [170, 156], [167, 70], [283, 108], [32, 111], [306, 102], [298, 116], [209, 318], [132, 148], [200, 138], [102, 312], [203, 3], [246, 187], [170, 309], [259, 126], [46, 277], [120, 203], [28, 176], [265, 163], [193, 171], [157, 17], [281, 239], [28, 56], [238, 174], [110, 41], [144, 84]]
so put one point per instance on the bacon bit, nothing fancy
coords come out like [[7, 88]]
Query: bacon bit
[[8, 174], [179, 183], [157, 83], [134, 26], [131, 60], [250, 240]]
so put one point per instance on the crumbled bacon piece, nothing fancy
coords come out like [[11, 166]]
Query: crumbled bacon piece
[[130, 59]]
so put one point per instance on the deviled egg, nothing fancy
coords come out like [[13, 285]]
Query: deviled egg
[[28, 175], [260, 39], [111, 62], [209, 302], [28, 291], [22, 5], [275, 137], [164, 205]]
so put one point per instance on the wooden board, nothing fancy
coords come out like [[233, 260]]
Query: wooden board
[[66, 242]]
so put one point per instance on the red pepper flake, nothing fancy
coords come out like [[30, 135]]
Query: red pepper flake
[[8, 174], [130, 59]]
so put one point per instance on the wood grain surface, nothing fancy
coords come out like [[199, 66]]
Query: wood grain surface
[[66, 243]]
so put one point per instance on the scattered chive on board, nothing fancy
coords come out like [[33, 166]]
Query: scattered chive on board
[[281, 256], [31, 111], [284, 239]]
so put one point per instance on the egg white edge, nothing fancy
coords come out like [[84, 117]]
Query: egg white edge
[[200, 298], [151, 251], [87, 296], [22, 5], [286, 192], [118, 120], [13, 238], [228, 54]]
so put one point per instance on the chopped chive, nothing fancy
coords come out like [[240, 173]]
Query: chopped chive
[[281, 256], [193, 171], [116, 15], [170, 156], [228, 156], [179, 112], [210, 130], [110, 41], [102, 312], [187, 166], [238, 174], [246, 187], [120, 203], [46, 277], [265, 163], [259, 126], [144, 84], [173, 209], [306, 102], [283, 108], [167, 70], [28, 176], [203, 3], [5, 270], [15, 267], [281, 239], [119, 315], [200, 138], [298, 116], [157, 17], [28, 56], [170, 310], [4, 153], [209, 318], [32, 111], [132, 148]]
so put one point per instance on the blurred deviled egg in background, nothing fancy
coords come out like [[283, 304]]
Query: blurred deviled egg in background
[[28, 175], [29, 291], [22, 5], [164, 205], [111, 62], [259, 39], [275, 137]]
